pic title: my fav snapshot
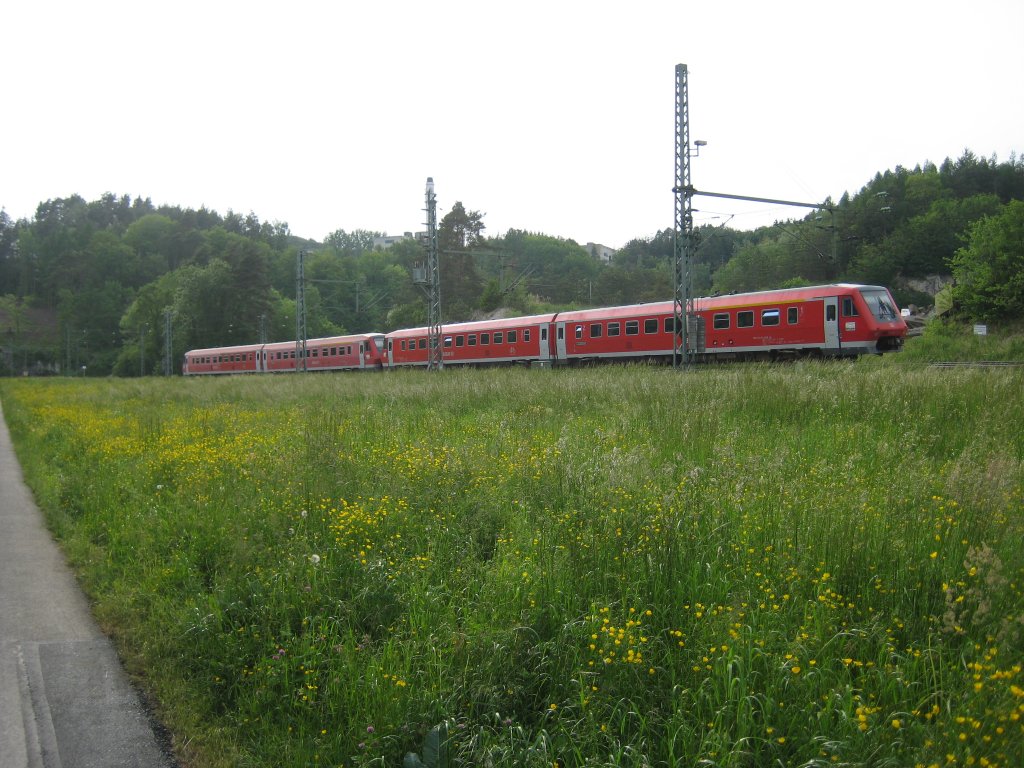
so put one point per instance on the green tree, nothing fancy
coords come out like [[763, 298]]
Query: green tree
[[351, 243], [989, 270], [458, 233], [922, 245], [153, 239], [9, 262], [491, 298]]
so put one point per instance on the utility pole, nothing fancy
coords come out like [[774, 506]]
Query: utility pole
[[168, 364], [142, 350], [682, 305], [300, 312], [435, 350]]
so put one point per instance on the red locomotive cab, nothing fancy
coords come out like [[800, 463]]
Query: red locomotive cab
[[886, 325], [374, 351], [869, 321]]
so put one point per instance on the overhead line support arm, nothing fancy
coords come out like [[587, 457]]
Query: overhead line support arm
[[769, 200]]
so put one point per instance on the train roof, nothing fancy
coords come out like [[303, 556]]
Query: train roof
[[226, 350], [477, 325], [780, 295], [750, 298], [326, 340]]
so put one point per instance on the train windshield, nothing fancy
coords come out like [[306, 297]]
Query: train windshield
[[379, 341], [880, 304]]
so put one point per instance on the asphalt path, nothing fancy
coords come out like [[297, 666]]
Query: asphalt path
[[65, 700]]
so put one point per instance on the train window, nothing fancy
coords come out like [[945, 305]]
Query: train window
[[526, 335], [613, 329], [422, 343], [498, 337], [745, 319], [561, 332], [485, 339], [447, 342], [291, 355], [670, 325], [651, 325], [316, 352], [632, 327], [879, 304], [595, 330], [460, 341], [849, 308], [334, 351], [769, 317], [403, 345], [513, 336], [792, 315], [472, 339], [830, 313], [721, 321], [579, 331]]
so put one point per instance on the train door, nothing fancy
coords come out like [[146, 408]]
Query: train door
[[560, 341], [832, 323], [544, 347]]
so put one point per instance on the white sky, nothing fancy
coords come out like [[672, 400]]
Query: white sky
[[554, 116]]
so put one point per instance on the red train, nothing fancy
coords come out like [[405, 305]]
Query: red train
[[335, 353], [829, 320]]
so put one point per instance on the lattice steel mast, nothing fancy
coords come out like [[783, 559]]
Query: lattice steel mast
[[300, 312], [682, 308], [435, 350], [168, 345]]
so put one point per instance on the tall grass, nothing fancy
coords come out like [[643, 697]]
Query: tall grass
[[946, 340], [809, 565]]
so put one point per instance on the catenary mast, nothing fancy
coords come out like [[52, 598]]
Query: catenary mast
[[435, 350], [683, 273]]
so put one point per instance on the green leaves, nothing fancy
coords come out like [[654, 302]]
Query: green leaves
[[989, 271], [435, 750]]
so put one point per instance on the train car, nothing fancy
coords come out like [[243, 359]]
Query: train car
[[828, 320], [842, 320], [516, 340], [222, 360], [638, 331], [333, 353]]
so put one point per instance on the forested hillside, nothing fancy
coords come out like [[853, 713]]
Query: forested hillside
[[89, 286]]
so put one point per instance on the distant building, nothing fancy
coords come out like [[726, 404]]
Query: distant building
[[600, 252], [386, 241]]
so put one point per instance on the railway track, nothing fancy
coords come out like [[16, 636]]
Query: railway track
[[978, 364]]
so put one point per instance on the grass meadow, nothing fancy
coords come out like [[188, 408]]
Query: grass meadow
[[808, 565]]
